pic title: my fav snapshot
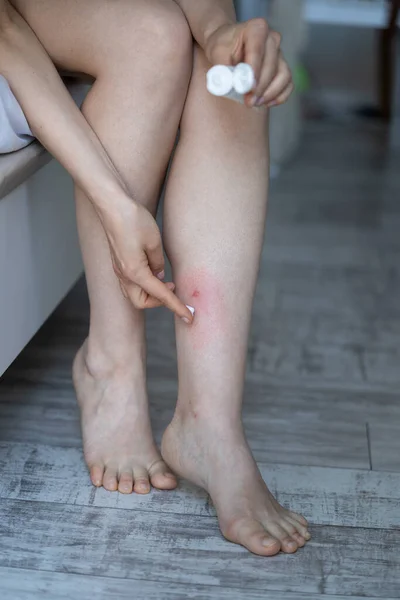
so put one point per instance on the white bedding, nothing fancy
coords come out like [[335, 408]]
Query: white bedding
[[14, 128]]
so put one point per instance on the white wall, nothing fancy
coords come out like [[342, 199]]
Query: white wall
[[343, 60], [39, 256]]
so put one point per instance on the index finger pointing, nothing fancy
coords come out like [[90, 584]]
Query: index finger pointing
[[157, 289]]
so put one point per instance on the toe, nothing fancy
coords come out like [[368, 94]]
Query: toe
[[291, 529], [299, 518], [161, 477], [299, 525], [125, 484], [288, 544], [252, 535], [141, 479], [142, 486], [96, 475], [110, 481], [299, 539]]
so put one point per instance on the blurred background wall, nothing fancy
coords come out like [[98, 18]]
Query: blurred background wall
[[334, 48]]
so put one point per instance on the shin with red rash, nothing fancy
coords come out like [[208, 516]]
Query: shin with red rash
[[202, 289], [210, 346]]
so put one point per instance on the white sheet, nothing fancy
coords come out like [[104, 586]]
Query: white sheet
[[14, 128]]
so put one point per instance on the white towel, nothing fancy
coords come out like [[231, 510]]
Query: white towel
[[14, 128]]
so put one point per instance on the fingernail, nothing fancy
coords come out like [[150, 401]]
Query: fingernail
[[190, 308], [186, 320], [254, 100], [260, 101], [271, 104], [161, 275]]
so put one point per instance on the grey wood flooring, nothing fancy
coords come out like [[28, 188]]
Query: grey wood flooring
[[322, 412]]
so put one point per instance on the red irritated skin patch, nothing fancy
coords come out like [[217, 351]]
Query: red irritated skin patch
[[202, 290]]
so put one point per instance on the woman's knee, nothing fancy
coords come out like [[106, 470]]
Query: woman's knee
[[94, 35], [168, 30], [156, 32]]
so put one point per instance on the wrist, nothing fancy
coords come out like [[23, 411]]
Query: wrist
[[214, 27], [112, 203]]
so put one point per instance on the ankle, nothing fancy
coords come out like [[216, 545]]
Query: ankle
[[199, 416], [101, 363]]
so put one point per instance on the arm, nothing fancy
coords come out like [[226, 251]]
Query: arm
[[206, 16], [132, 233], [52, 114]]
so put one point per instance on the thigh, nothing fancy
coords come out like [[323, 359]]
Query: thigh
[[87, 35]]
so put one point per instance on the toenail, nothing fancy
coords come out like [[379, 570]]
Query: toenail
[[292, 544], [268, 542], [307, 535]]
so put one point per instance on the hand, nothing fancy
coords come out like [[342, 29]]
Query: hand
[[138, 260], [253, 42]]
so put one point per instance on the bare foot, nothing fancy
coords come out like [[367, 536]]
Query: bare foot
[[117, 439], [217, 458]]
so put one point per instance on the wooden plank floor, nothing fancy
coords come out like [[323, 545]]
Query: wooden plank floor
[[322, 412]]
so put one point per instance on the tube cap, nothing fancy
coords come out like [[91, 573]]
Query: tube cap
[[220, 80], [243, 78]]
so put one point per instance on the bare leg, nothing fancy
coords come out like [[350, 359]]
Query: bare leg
[[141, 56], [214, 226]]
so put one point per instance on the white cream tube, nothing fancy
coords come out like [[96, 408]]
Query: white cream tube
[[231, 82]]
